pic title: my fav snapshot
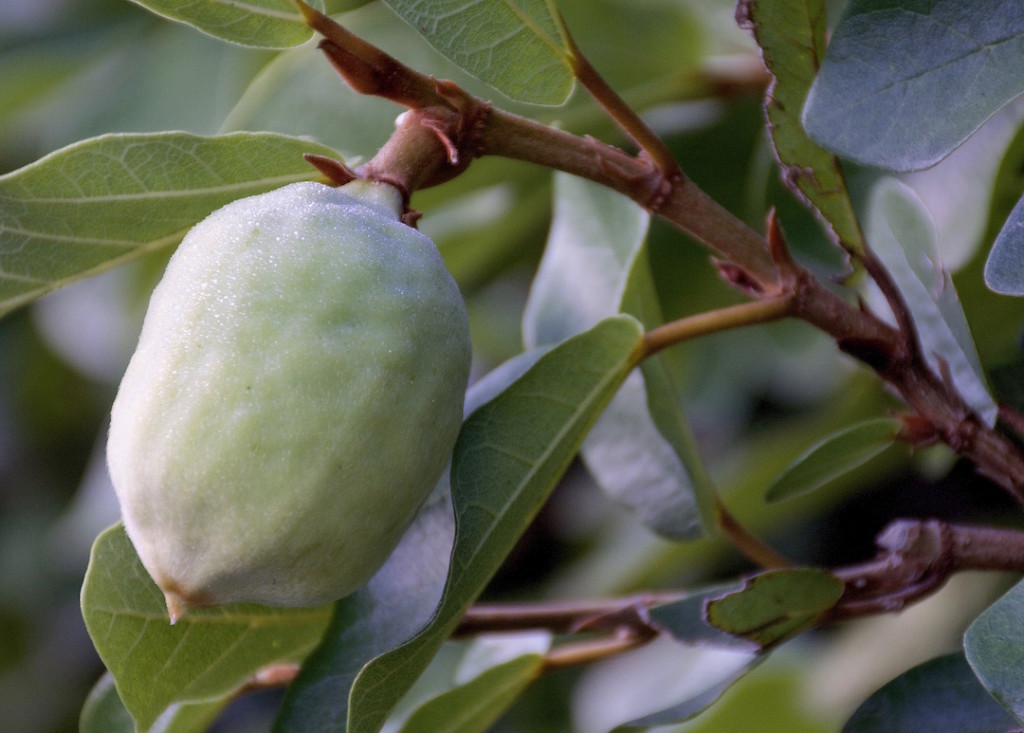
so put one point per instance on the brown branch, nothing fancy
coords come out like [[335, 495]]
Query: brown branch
[[566, 617], [915, 559], [465, 127]]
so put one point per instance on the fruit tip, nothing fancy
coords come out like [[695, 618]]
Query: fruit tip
[[176, 606]]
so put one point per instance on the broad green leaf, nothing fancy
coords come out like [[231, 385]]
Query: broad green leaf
[[1004, 270], [994, 649], [482, 693], [903, 84], [902, 236], [208, 654], [834, 456], [104, 712], [397, 602], [104, 201], [516, 46], [776, 604], [510, 455], [939, 696], [594, 265], [791, 35], [259, 23]]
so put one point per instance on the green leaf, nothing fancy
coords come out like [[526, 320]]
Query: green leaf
[[104, 201], [834, 456], [517, 46], [480, 697], [939, 696], [509, 457], [776, 604], [1004, 270], [904, 83], [594, 265], [902, 235], [791, 35], [685, 620], [104, 712], [259, 23], [994, 649], [208, 654]]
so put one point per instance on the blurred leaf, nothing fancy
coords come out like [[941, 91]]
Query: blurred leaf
[[791, 35], [594, 265], [260, 23], [673, 40], [902, 235], [207, 654], [299, 93], [596, 235], [994, 649], [509, 457], [959, 190], [1004, 270], [101, 202], [694, 706], [478, 699], [776, 604], [939, 696], [835, 455], [1008, 382], [514, 45], [903, 84], [104, 712]]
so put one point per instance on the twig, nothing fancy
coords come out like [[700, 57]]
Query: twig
[[749, 544], [593, 650], [624, 115], [723, 319], [565, 617]]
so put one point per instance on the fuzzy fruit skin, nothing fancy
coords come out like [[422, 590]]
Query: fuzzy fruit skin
[[294, 396]]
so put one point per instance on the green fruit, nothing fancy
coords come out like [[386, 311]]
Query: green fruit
[[295, 394]]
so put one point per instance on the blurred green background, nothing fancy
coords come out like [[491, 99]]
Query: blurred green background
[[71, 69]]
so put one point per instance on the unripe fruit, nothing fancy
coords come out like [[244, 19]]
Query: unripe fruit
[[295, 394]]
